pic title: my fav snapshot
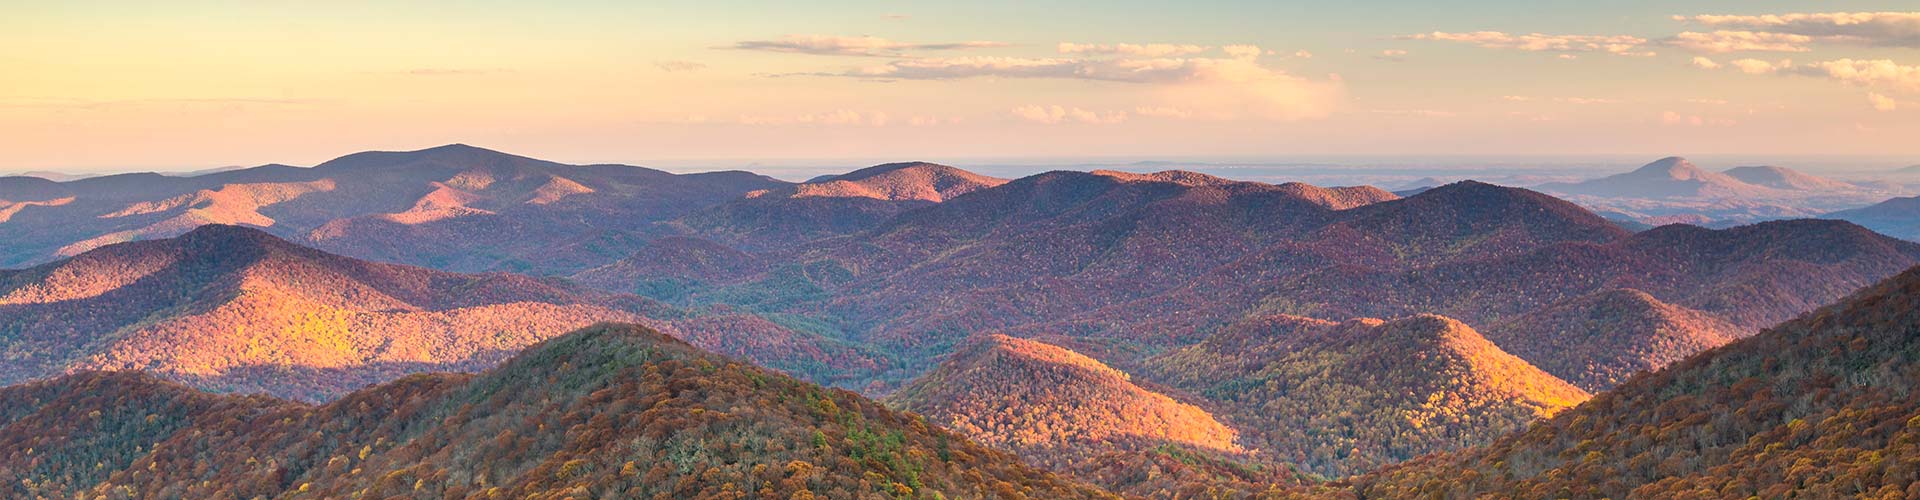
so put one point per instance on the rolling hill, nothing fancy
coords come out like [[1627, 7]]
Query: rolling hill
[[1897, 217], [608, 411], [235, 309], [832, 205], [1343, 398], [1053, 406], [1597, 340], [1822, 406]]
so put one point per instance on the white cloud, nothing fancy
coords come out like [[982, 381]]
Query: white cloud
[[1132, 49], [1395, 55], [1056, 114], [1539, 42], [1705, 63], [1882, 103], [1303, 54], [1896, 29], [1720, 42], [829, 45]]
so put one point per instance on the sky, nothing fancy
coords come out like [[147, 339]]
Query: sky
[[113, 86]]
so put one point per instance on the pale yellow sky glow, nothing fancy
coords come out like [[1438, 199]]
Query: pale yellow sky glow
[[121, 86]]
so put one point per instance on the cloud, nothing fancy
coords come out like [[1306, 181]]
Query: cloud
[[1879, 73], [1132, 50], [1679, 119], [1163, 112], [1211, 87], [678, 66], [1866, 73], [1303, 54], [1057, 114], [1882, 103], [842, 117], [1759, 67], [1242, 51], [828, 45], [1720, 42], [1893, 29], [1395, 55], [1539, 42], [1563, 100], [896, 17], [1705, 63]]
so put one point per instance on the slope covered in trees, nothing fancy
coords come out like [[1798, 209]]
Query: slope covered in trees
[[1824, 406], [235, 309], [611, 411], [1598, 340], [1343, 398], [1054, 406]]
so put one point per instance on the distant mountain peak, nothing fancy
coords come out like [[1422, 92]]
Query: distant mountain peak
[[1672, 167], [904, 181]]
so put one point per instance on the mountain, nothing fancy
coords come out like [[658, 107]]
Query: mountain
[[1786, 179], [1342, 398], [1053, 406], [833, 205], [453, 207], [1597, 340], [1670, 177], [897, 181], [1897, 217], [611, 411], [1818, 407], [236, 309]]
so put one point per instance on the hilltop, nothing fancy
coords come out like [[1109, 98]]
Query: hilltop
[[1818, 407], [1053, 406], [1343, 398]]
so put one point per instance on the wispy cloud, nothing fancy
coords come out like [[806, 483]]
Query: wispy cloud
[[1057, 114], [1132, 49], [1879, 73], [1882, 103], [867, 46], [1395, 55], [1540, 42], [1718, 42], [679, 66], [1895, 29], [1562, 100]]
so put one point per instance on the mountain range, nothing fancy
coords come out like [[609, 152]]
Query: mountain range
[[238, 310], [1673, 189], [1166, 334]]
